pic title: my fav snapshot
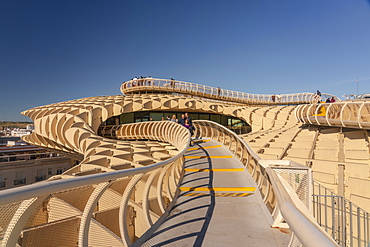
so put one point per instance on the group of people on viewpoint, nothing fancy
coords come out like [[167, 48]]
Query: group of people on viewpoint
[[277, 98], [185, 121], [328, 100]]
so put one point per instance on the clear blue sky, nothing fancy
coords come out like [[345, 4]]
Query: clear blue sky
[[53, 51]]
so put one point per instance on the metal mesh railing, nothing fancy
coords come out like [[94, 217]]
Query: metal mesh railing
[[300, 181], [347, 223]]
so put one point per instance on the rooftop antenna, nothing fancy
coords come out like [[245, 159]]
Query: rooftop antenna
[[357, 88]]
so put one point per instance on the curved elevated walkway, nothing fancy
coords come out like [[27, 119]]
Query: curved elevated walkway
[[219, 205], [172, 86], [340, 114]]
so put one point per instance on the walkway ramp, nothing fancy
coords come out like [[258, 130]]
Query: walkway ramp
[[219, 204]]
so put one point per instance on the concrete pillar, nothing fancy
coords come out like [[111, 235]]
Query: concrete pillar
[[341, 166]]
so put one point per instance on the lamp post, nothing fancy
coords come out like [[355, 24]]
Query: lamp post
[[357, 87]]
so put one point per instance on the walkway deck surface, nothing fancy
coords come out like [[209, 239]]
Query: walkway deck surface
[[219, 204]]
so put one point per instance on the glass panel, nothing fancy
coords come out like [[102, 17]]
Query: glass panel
[[224, 120], [156, 116], [203, 116], [142, 114], [127, 118], [215, 118], [194, 116], [111, 121], [236, 122]]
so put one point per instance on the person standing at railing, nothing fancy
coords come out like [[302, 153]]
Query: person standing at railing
[[189, 118], [150, 81], [134, 82], [332, 100], [188, 126], [218, 91], [273, 98], [173, 83], [182, 120], [174, 119], [278, 98]]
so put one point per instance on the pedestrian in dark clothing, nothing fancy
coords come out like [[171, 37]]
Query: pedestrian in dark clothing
[[190, 120], [327, 100], [172, 83], [182, 120], [188, 126], [273, 97], [318, 93]]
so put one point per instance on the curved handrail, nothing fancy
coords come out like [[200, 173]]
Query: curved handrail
[[177, 136], [342, 114], [308, 232], [174, 86]]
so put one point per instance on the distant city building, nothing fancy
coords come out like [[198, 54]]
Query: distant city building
[[30, 127], [27, 164], [20, 132]]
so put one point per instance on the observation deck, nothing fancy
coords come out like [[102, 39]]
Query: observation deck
[[147, 85], [142, 184]]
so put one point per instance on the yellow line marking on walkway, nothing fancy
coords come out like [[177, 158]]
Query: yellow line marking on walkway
[[214, 170], [216, 146], [249, 189], [212, 157], [243, 194], [219, 194]]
